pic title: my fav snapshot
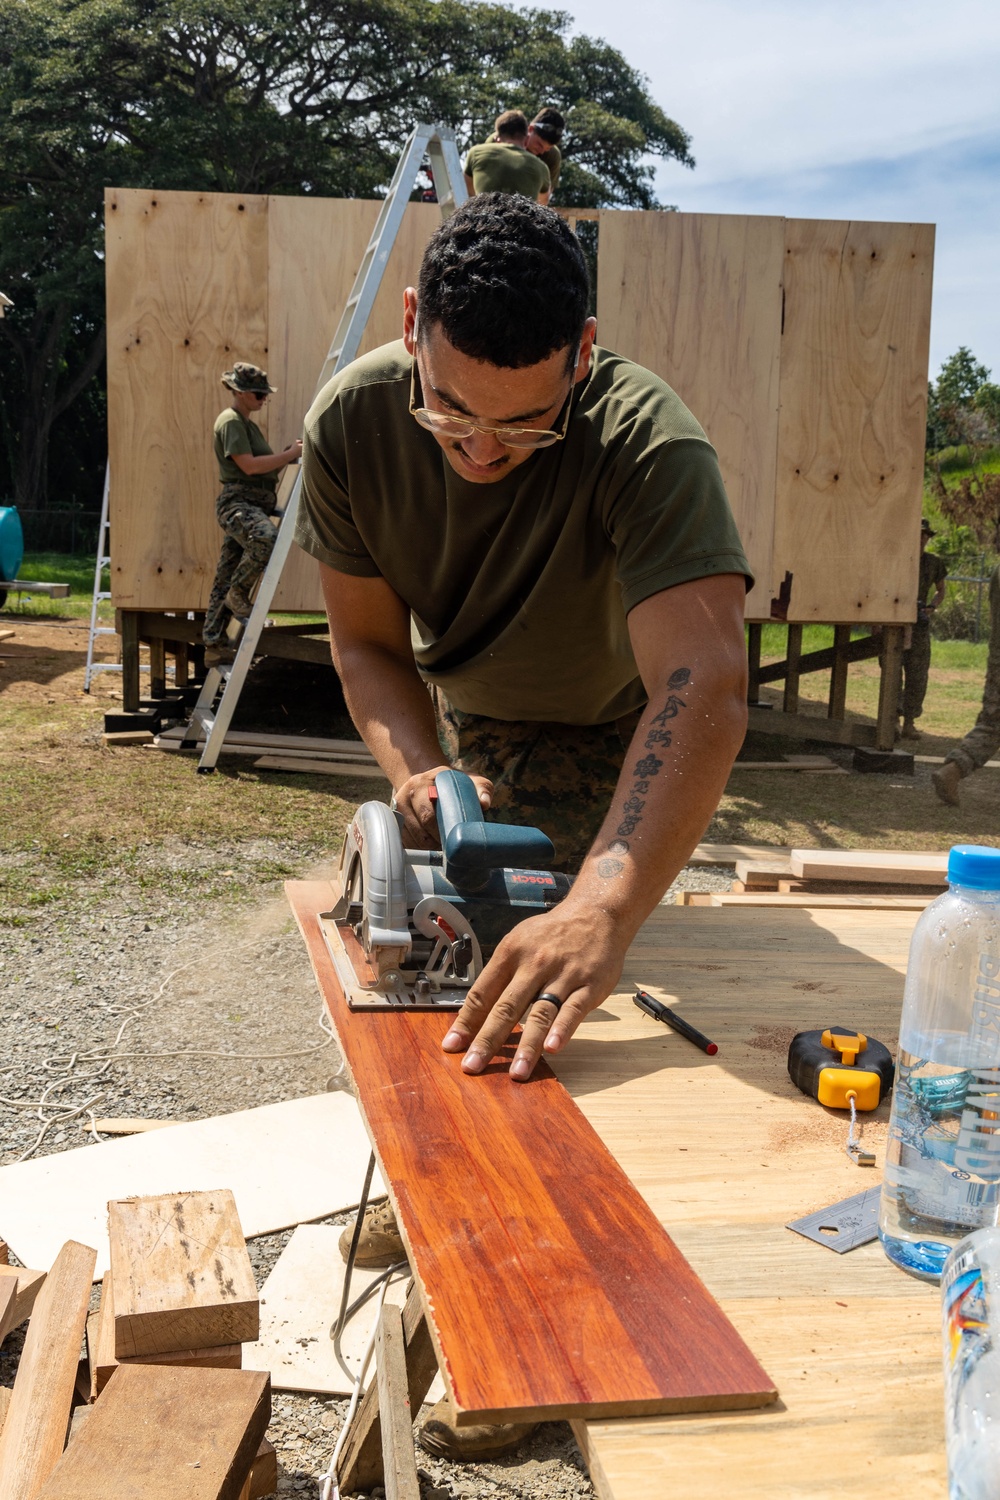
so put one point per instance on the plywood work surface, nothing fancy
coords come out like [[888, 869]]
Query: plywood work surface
[[549, 1287], [726, 1151]]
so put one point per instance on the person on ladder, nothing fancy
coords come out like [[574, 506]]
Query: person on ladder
[[531, 573], [248, 471]]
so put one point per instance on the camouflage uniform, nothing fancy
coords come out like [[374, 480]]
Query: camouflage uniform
[[917, 656], [557, 777], [983, 740], [244, 513]]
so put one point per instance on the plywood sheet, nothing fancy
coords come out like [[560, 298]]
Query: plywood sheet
[[853, 407], [285, 1163], [585, 1304], [187, 295], [726, 1150], [315, 248], [697, 299], [300, 1302]]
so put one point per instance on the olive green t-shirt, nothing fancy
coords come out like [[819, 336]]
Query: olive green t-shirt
[[237, 434], [519, 590], [496, 167]]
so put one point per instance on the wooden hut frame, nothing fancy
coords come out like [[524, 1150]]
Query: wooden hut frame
[[800, 345]]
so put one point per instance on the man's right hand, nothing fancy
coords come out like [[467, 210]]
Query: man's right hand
[[419, 810]]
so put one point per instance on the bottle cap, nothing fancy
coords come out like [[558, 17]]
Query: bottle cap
[[974, 865]]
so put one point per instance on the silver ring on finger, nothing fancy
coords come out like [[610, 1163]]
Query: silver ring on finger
[[548, 995]]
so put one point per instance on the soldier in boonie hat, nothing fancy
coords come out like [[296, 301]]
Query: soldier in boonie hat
[[248, 378], [248, 471]]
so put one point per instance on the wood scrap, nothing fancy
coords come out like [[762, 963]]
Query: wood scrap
[[815, 764], [167, 1432], [5, 1395], [181, 1273], [38, 1417], [398, 1459], [5, 635], [4, 1253], [126, 1126], [296, 743], [317, 767], [804, 899], [264, 1474], [127, 737], [901, 867], [101, 1348], [728, 854], [27, 1286], [8, 1296]]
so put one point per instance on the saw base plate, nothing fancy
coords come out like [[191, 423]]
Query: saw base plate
[[356, 975]]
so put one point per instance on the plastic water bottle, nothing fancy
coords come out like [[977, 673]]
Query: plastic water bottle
[[942, 1170], [970, 1288]]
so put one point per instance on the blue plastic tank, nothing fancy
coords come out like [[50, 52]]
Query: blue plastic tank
[[11, 543]]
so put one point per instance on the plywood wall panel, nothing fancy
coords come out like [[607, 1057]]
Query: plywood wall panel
[[853, 409], [187, 295], [315, 248], [697, 299]]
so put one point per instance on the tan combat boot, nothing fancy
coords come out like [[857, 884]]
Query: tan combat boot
[[910, 730], [946, 779], [441, 1438], [380, 1244]]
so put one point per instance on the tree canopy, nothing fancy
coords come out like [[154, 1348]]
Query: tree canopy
[[266, 96]]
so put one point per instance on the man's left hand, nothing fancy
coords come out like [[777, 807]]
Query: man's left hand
[[575, 953]]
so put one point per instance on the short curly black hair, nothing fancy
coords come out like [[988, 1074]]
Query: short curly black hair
[[506, 281]]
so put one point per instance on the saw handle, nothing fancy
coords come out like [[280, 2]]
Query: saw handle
[[471, 846]]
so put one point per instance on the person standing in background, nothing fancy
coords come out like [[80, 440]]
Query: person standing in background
[[544, 134], [917, 656], [504, 164]]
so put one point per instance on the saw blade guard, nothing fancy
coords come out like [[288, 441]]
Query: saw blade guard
[[374, 849]]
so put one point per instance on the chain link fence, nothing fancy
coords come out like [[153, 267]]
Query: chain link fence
[[70, 531]]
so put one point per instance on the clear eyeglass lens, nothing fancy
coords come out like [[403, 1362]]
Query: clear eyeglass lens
[[511, 437]]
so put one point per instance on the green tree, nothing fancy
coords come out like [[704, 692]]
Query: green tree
[[269, 96], [954, 412]]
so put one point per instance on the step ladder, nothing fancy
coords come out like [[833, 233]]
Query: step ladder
[[100, 593], [213, 712]]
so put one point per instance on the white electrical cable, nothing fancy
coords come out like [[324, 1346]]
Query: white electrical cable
[[329, 1484], [100, 1060]]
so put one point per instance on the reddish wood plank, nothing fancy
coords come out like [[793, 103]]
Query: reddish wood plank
[[550, 1287]]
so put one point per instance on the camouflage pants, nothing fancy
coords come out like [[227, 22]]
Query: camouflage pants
[[241, 511], [557, 777], [983, 739], [916, 665]]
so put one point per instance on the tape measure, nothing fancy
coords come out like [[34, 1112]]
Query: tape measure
[[843, 1069]]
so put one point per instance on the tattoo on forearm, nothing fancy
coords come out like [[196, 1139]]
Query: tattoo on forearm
[[646, 768]]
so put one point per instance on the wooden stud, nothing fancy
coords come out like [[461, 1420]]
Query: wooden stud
[[5, 1395], [264, 1474], [128, 629], [399, 1462], [754, 633], [101, 1348], [8, 1298], [4, 1254], [160, 1433], [182, 1275], [38, 1417], [838, 672], [182, 663], [890, 684], [790, 703], [888, 866], [361, 1461], [157, 667], [28, 1284]]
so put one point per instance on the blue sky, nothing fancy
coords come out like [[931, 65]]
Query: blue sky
[[839, 109]]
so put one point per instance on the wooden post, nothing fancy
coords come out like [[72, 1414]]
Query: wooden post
[[838, 675], [128, 629], [754, 633], [794, 652], [181, 664], [361, 1462], [157, 667], [399, 1462], [889, 686]]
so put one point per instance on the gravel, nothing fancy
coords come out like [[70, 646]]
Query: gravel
[[227, 981]]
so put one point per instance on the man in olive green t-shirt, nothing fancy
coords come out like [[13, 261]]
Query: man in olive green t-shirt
[[544, 134], [536, 530], [505, 165]]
